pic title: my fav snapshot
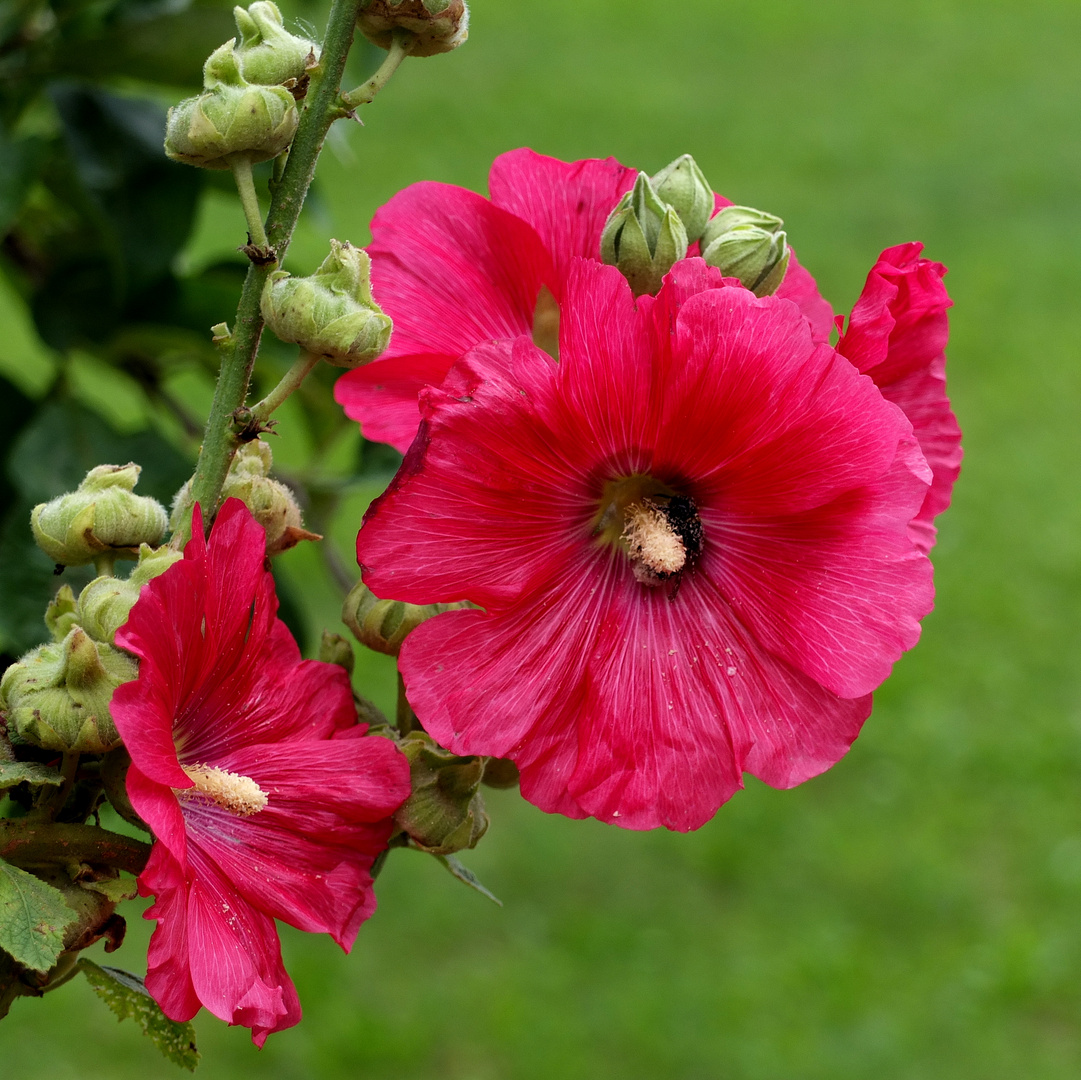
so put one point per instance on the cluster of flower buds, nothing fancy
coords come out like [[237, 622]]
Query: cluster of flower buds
[[271, 503], [747, 244], [331, 313], [437, 26], [58, 695], [248, 105], [652, 226]]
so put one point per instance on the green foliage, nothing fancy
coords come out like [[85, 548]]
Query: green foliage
[[126, 995], [27, 772], [33, 918]]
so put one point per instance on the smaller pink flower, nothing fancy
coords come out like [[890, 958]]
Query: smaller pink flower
[[897, 335], [247, 764]]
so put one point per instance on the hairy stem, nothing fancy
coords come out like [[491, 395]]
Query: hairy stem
[[291, 381], [238, 351], [401, 44], [245, 186], [48, 843]]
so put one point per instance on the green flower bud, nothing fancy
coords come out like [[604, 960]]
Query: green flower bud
[[335, 649], [383, 624], [747, 244], [272, 504], [105, 604], [232, 117], [439, 25], [101, 516], [57, 696], [330, 313], [269, 55], [683, 186], [643, 237], [445, 812]]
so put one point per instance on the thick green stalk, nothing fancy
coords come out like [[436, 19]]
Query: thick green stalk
[[238, 351], [50, 842]]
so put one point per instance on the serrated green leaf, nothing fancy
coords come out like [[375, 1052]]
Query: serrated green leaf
[[467, 877], [29, 772], [33, 918], [116, 889], [126, 995]]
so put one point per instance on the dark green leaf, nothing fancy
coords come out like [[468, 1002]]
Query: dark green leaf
[[29, 772], [126, 995], [33, 918], [466, 876], [27, 582], [20, 160], [65, 441]]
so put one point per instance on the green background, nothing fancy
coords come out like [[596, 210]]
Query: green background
[[913, 913]]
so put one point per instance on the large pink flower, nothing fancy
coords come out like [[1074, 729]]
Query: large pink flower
[[627, 684], [454, 269], [248, 766]]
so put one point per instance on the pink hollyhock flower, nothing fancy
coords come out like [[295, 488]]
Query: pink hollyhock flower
[[248, 766], [689, 537]]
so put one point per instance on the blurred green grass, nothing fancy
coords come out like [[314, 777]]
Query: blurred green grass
[[913, 913]]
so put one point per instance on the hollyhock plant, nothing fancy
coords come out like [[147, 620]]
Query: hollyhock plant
[[454, 269], [689, 538], [264, 799]]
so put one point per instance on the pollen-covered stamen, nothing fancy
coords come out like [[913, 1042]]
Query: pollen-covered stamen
[[653, 544], [239, 794]]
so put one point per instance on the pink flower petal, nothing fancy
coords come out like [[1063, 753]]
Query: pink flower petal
[[567, 203], [897, 335]]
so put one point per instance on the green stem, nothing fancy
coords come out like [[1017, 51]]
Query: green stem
[[25, 843], [245, 185], [53, 799], [400, 47], [291, 381], [104, 564], [405, 718], [238, 351]]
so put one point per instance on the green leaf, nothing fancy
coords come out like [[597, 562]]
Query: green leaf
[[126, 995], [65, 441], [115, 889], [466, 876], [33, 918], [27, 772], [22, 159]]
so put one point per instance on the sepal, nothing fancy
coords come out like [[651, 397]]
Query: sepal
[[438, 26]]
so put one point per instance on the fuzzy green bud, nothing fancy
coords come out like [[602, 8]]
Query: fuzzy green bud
[[382, 625], [105, 604], [330, 313], [684, 187], [335, 649], [747, 244], [269, 55], [231, 118], [102, 516], [58, 695], [445, 812], [644, 237], [271, 503], [437, 25]]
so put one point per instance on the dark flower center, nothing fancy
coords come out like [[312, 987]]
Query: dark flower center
[[656, 527]]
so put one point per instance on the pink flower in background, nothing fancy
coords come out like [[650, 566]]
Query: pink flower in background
[[453, 269], [247, 764], [689, 537], [897, 335]]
